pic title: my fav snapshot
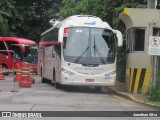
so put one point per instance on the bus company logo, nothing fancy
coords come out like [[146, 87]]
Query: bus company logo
[[89, 69], [90, 23]]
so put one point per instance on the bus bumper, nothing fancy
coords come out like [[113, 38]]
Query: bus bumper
[[82, 80]]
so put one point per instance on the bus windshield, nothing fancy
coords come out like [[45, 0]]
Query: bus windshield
[[17, 51], [85, 45], [31, 53]]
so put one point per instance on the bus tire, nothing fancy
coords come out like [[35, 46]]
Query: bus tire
[[48, 81], [56, 84], [98, 88], [43, 80]]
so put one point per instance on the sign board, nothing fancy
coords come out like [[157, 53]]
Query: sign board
[[154, 45]]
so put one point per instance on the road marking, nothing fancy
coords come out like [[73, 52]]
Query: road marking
[[124, 99]]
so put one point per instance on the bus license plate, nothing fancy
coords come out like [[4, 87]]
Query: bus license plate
[[89, 80]]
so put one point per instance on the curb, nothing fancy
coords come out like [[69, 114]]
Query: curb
[[130, 97]]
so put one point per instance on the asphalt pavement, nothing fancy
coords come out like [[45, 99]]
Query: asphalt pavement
[[45, 97]]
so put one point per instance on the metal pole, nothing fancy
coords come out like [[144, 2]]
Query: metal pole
[[152, 60], [152, 73], [157, 71]]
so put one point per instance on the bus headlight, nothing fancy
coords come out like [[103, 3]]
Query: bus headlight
[[67, 72], [110, 75]]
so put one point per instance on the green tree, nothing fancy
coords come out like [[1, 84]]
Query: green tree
[[73, 7], [35, 16], [9, 19], [27, 18]]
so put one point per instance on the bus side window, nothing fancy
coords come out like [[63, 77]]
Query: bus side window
[[3, 48]]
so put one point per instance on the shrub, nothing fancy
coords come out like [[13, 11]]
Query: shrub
[[154, 93]]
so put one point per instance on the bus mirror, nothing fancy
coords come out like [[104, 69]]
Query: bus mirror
[[119, 37], [22, 48], [41, 44], [64, 42]]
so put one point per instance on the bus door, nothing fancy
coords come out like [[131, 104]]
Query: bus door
[[48, 64], [17, 55], [57, 48]]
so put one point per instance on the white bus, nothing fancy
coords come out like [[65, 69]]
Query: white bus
[[79, 51]]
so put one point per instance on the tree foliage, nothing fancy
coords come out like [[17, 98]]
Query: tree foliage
[[107, 10], [26, 18], [8, 17], [29, 18]]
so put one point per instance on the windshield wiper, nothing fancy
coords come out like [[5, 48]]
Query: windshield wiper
[[83, 52], [96, 50], [81, 55]]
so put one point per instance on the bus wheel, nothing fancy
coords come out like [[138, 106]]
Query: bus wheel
[[56, 84], [43, 80], [5, 67], [48, 81], [98, 89]]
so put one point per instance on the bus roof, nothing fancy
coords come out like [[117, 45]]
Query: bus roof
[[81, 21], [85, 20], [17, 39]]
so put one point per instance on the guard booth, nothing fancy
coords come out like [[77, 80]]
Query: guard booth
[[141, 68]]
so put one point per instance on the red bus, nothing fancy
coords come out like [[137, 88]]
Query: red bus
[[17, 50]]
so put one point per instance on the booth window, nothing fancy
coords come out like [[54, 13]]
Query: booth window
[[136, 39], [156, 32]]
